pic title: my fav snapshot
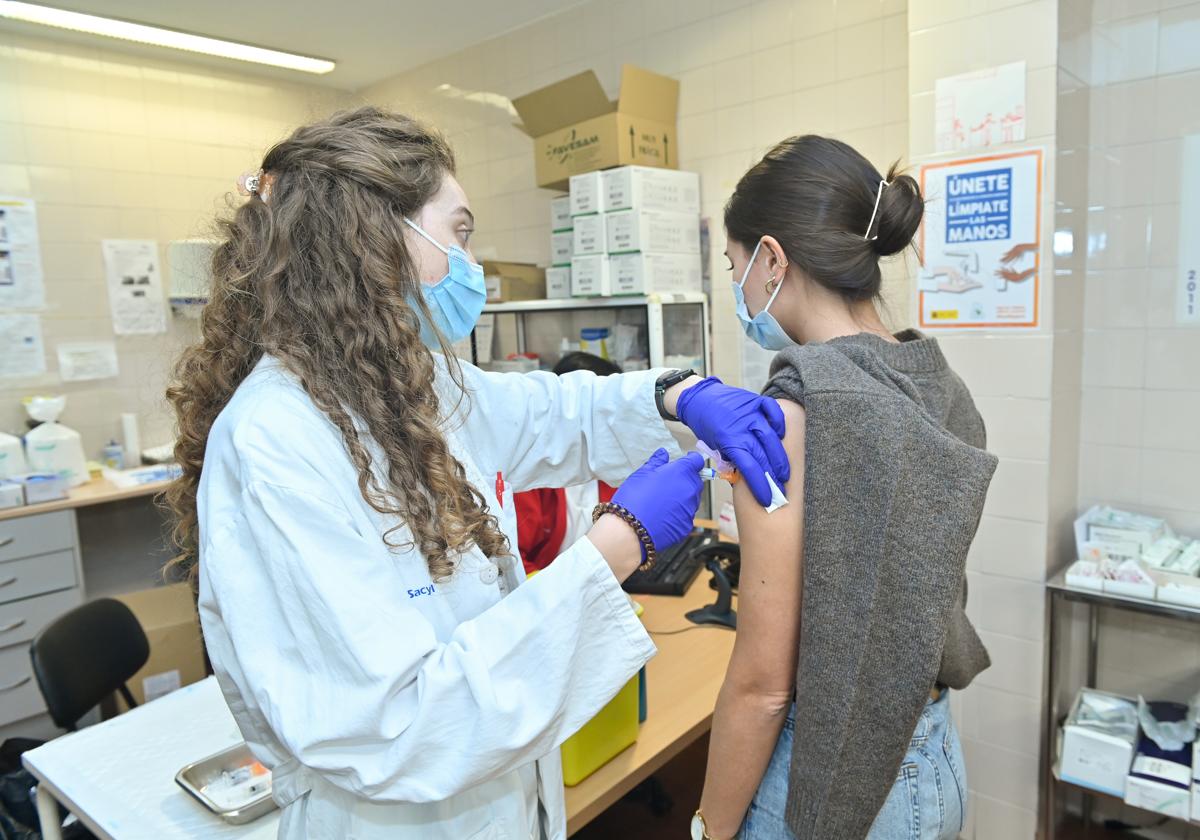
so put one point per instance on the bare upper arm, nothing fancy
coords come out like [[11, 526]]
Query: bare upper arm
[[772, 575]]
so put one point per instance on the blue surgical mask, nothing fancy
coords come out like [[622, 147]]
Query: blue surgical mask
[[456, 301], [762, 329]]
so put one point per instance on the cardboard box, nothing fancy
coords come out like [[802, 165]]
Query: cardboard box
[[1168, 792], [590, 235], [649, 231], [560, 213], [647, 188], [575, 128], [558, 282], [642, 274], [1096, 759], [513, 281], [590, 276], [168, 617], [562, 247]]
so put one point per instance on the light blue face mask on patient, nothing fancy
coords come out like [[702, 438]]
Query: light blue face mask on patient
[[456, 301], [762, 329]]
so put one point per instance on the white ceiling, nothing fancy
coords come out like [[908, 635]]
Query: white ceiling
[[369, 39]]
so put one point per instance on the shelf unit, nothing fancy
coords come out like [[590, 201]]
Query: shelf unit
[[662, 335], [1058, 595]]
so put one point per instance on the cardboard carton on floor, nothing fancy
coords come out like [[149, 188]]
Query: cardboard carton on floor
[[168, 618], [576, 128]]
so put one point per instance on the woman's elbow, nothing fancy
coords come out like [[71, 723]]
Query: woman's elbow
[[770, 697]]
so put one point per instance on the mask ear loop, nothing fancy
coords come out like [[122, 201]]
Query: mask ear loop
[[418, 229], [875, 210], [749, 265]]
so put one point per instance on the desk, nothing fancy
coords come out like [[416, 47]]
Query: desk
[[682, 682], [118, 777], [124, 767], [95, 492]]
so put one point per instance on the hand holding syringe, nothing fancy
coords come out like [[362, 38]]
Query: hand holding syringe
[[726, 470]]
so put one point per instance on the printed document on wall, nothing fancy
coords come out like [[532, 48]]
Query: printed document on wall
[[21, 281], [21, 351], [980, 242], [85, 360], [135, 293], [980, 110]]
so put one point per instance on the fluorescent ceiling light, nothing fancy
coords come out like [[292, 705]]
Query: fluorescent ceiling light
[[142, 34]]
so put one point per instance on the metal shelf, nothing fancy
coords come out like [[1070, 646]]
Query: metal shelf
[[1059, 593], [1111, 798], [566, 304], [1057, 585]]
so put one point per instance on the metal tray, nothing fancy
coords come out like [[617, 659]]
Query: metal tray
[[195, 777]]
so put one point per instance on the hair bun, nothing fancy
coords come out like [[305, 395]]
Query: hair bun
[[901, 208]]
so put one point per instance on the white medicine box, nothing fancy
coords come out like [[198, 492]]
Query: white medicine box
[[1094, 757], [558, 282], [1196, 781], [590, 276], [637, 230], [647, 273], [585, 193], [650, 188], [589, 235], [560, 213], [562, 247]]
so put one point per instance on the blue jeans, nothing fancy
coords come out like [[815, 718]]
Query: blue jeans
[[926, 802]]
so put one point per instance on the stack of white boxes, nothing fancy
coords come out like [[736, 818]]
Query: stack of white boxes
[[636, 231], [558, 275]]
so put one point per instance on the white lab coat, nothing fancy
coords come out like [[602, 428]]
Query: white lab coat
[[389, 705]]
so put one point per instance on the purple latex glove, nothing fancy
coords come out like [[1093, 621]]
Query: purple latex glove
[[746, 428], [664, 496]]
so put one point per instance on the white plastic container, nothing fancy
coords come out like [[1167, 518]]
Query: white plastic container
[[12, 456], [52, 447]]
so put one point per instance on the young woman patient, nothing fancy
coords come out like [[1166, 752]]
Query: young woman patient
[[834, 721]]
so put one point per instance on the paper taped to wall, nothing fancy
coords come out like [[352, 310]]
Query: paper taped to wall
[[84, 360], [21, 350], [21, 282], [135, 292]]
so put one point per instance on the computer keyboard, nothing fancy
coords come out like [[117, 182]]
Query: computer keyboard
[[675, 570]]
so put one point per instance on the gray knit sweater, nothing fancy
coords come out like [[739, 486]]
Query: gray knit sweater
[[895, 481]]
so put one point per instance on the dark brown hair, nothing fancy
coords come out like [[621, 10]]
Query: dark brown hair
[[319, 276], [815, 195]]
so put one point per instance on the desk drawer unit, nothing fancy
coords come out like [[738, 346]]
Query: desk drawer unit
[[21, 620], [20, 696], [40, 533], [38, 575]]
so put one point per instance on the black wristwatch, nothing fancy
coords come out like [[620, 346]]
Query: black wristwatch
[[669, 380]]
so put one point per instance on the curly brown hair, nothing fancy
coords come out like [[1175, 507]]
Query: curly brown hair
[[319, 276]]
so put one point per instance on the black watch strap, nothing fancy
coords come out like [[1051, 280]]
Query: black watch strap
[[669, 380]]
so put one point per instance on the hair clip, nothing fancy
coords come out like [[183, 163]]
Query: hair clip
[[878, 195], [255, 183]]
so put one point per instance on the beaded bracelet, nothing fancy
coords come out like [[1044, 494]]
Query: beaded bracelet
[[638, 528]]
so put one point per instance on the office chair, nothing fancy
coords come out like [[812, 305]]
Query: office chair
[[85, 655]]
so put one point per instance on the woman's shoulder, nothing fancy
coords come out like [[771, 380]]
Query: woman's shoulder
[[270, 418]]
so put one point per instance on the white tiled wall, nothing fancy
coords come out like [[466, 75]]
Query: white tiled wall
[[1017, 380], [116, 147], [1136, 84], [1141, 386], [752, 73]]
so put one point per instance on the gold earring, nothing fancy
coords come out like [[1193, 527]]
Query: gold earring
[[770, 285]]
